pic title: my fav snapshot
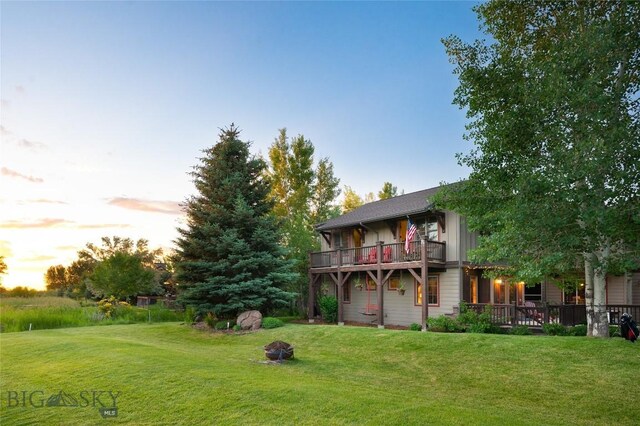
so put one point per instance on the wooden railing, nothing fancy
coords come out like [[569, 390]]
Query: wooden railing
[[390, 253], [536, 316]]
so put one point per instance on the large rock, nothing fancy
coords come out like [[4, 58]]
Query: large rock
[[250, 320]]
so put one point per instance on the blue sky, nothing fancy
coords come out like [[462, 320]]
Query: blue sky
[[106, 106]]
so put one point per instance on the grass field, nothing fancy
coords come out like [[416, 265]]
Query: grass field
[[171, 374], [39, 313]]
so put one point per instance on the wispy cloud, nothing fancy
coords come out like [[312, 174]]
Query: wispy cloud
[[45, 201], [12, 173], [67, 248], [20, 89], [3, 130], [42, 258], [102, 225], [167, 207], [5, 248], [42, 223], [24, 143]]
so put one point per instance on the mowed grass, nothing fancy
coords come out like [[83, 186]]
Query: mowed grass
[[47, 312], [172, 374]]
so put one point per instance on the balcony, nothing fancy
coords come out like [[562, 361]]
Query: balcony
[[387, 254]]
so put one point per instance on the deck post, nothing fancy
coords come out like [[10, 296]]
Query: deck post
[[379, 285], [514, 318], [311, 297], [340, 290], [425, 282]]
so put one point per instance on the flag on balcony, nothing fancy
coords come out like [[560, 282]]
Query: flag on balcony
[[411, 232]]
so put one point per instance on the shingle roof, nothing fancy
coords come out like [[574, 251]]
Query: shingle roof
[[400, 206]]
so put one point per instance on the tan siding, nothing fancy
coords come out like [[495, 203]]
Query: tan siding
[[401, 309], [554, 294], [616, 290], [635, 289], [452, 235]]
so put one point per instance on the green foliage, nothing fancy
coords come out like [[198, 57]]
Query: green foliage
[[445, 324], [229, 259], [210, 319], [329, 308], [222, 325], [415, 327], [578, 330], [237, 327], [113, 308], [473, 322], [121, 275], [190, 315], [271, 322], [60, 312], [520, 330], [302, 197], [614, 331], [553, 108], [388, 191], [553, 329], [20, 291], [351, 200]]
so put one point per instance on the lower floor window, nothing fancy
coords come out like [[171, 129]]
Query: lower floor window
[[346, 292], [433, 290]]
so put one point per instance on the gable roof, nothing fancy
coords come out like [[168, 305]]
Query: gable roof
[[400, 206]]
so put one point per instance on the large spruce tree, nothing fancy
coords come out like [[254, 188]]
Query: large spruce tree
[[229, 257]]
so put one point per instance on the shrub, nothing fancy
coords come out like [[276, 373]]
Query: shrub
[[329, 308], [223, 325], [271, 322], [189, 315], [211, 319], [474, 322], [552, 329], [415, 327], [520, 330], [237, 327], [614, 331], [113, 308], [444, 324], [578, 330]]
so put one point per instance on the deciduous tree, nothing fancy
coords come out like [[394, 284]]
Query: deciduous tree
[[351, 200], [122, 275], [388, 191], [555, 118]]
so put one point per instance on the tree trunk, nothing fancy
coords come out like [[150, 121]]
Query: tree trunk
[[600, 320], [588, 291]]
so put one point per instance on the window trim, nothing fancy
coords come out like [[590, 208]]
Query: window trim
[[416, 285]]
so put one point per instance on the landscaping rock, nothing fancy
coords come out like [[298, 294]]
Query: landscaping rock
[[250, 320]]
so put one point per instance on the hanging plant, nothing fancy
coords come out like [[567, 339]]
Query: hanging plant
[[358, 282]]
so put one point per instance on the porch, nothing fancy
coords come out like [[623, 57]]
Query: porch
[[366, 257], [537, 315], [379, 263]]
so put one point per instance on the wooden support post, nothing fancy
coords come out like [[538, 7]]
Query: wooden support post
[[379, 286], [311, 297], [340, 290], [514, 318], [425, 283]]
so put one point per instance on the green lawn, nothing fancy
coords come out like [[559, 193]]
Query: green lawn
[[171, 374]]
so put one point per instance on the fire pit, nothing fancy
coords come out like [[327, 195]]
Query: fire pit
[[278, 351]]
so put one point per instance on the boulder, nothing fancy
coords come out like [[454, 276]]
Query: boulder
[[250, 320]]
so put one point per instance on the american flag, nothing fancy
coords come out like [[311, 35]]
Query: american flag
[[411, 232]]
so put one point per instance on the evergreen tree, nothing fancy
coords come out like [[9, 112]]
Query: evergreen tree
[[229, 259]]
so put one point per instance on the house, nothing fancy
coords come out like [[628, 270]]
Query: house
[[378, 278]]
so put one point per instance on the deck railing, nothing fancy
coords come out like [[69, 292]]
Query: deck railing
[[536, 316], [390, 253]]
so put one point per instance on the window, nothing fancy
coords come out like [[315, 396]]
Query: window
[[340, 239], [346, 293], [474, 288], [432, 230], [433, 290], [394, 283]]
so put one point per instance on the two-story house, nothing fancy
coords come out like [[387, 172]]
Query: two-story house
[[380, 278]]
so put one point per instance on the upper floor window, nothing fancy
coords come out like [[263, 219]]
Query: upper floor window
[[340, 239], [432, 230]]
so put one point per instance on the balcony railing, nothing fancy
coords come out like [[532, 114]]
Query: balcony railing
[[389, 253], [536, 316]]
